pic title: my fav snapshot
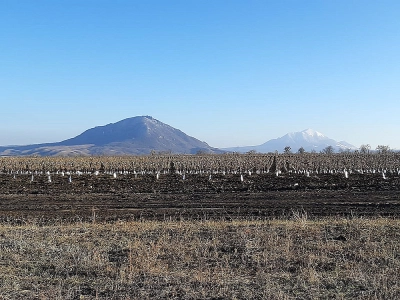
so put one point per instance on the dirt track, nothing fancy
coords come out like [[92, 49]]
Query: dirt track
[[224, 196]]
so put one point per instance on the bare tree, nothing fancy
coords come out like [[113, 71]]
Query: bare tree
[[287, 150], [328, 150], [365, 148], [301, 150], [382, 149]]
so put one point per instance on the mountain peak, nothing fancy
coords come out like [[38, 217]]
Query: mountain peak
[[312, 132], [308, 139], [135, 135]]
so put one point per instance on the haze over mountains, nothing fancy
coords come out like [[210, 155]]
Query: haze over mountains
[[144, 134], [309, 139]]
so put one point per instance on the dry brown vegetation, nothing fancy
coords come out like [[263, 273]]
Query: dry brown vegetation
[[201, 227], [296, 258], [221, 163]]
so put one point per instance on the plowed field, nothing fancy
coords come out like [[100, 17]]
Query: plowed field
[[130, 197]]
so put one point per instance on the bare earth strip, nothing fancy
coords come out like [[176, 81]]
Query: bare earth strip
[[129, 197]]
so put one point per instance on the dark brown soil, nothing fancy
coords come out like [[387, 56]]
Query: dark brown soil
[[130, 197]]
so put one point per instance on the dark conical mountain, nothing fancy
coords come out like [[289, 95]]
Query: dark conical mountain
[[132, 136]]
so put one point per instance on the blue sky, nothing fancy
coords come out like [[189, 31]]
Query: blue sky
[[231, 73]]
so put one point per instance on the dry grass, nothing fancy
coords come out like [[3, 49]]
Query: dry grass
[[334, 258]]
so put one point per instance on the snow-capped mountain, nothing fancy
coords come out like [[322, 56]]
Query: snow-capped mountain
[[309, 139]]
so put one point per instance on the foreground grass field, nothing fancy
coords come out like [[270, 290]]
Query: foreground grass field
[[297, 258]]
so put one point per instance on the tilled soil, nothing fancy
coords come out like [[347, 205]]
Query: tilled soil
[[197, 196]]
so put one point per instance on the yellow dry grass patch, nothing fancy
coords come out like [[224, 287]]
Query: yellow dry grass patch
[[253, 259]]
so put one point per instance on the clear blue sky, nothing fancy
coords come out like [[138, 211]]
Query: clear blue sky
[[231, 73]]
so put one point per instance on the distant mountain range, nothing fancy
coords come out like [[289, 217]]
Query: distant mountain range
[[132, 136], [144, 134], [309, 139]]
